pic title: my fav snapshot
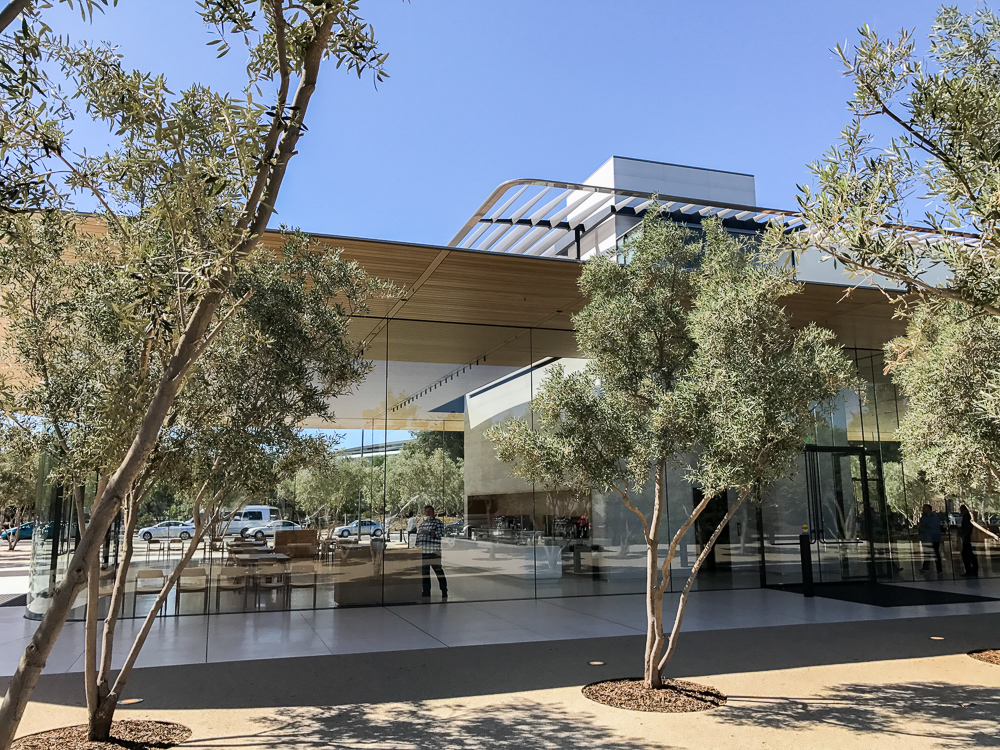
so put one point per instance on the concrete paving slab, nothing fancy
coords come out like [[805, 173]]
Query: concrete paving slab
[[850, 685]]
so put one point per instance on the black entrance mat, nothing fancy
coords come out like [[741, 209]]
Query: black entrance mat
[[887, 595]]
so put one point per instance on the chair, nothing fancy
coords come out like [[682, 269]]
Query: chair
[[270, 578], [192, 580], [175, 544], [300, 543], [201, 544], [147, 581], [106, 587], [154, 545], [218, 544], [232, 578], [302, 575]]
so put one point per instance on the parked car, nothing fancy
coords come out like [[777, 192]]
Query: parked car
[[251, 515], [368, 528], [25, 531], [456, 528], [168, 530], [267, 530]]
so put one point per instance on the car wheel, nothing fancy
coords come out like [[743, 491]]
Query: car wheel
[[344, 534], [376, 532], [259, 536], [243, 533], [185, 536], [147, 537]]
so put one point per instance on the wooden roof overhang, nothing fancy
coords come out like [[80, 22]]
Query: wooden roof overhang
[[459, 286], [466, 308]]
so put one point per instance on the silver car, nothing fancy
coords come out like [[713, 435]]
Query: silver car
[[168, 530], [267, 530], [368, 528]]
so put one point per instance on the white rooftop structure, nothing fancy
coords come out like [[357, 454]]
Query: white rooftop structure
[[575, 220], [578, 220]]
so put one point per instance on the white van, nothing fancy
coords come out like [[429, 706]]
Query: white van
[[251, 515]]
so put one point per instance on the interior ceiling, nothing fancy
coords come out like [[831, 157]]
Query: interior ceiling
[[862, 317]]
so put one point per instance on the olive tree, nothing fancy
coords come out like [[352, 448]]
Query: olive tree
[[428, 474], [33, 110], [285, 357], [330, 484], [693, 362], [191, 186], [907, 489], [946, 368], [921, 152]]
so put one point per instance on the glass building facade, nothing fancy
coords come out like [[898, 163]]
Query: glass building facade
[[482, 322], [507, 538]]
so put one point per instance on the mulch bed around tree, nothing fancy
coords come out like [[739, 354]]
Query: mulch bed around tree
[[990, 656], [675, 697], [133, 735]]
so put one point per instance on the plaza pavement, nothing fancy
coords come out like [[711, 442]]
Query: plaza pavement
[[14, 570], [197, 639], [888, 683], [800, 673]]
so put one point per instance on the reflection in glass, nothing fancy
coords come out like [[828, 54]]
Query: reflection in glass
[[412, 434]]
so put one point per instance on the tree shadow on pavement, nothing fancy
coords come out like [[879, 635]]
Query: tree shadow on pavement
[[524, 725], [956, 716]]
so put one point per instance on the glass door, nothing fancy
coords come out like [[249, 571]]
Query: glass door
[[848, 521]]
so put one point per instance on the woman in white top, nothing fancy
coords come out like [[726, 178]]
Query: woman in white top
[[411, 529]]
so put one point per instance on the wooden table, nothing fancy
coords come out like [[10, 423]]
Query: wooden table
[[254, 558], [247, 544], [247, 548]]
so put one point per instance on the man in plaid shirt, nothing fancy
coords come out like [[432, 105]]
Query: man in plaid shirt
[[429, 540]]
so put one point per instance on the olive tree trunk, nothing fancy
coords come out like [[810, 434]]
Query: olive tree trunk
[[682, 604], [105, 509], [101, 718], [14, 533], [654, 591], [658, 577], [97, 681], [267, 184]]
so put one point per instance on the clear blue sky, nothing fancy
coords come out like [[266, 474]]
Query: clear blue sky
[[487, 90]]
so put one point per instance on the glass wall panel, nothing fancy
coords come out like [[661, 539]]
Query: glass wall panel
[[351, 560], [784, 513], [55, 537], [413, 434], [682, 497], [576, 551], [447, 385], [735, 562]]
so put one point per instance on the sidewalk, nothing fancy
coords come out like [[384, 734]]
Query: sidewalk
[[14, 570], [312, 633], [861, 684]]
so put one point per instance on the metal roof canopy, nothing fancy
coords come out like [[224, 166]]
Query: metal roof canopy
[[550, 218]]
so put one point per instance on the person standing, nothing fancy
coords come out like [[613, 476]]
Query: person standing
[[968, 553], [930, 535], [411, 529], [429, 540]]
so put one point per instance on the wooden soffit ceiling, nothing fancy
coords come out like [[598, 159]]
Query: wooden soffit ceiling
[[481, 288]]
